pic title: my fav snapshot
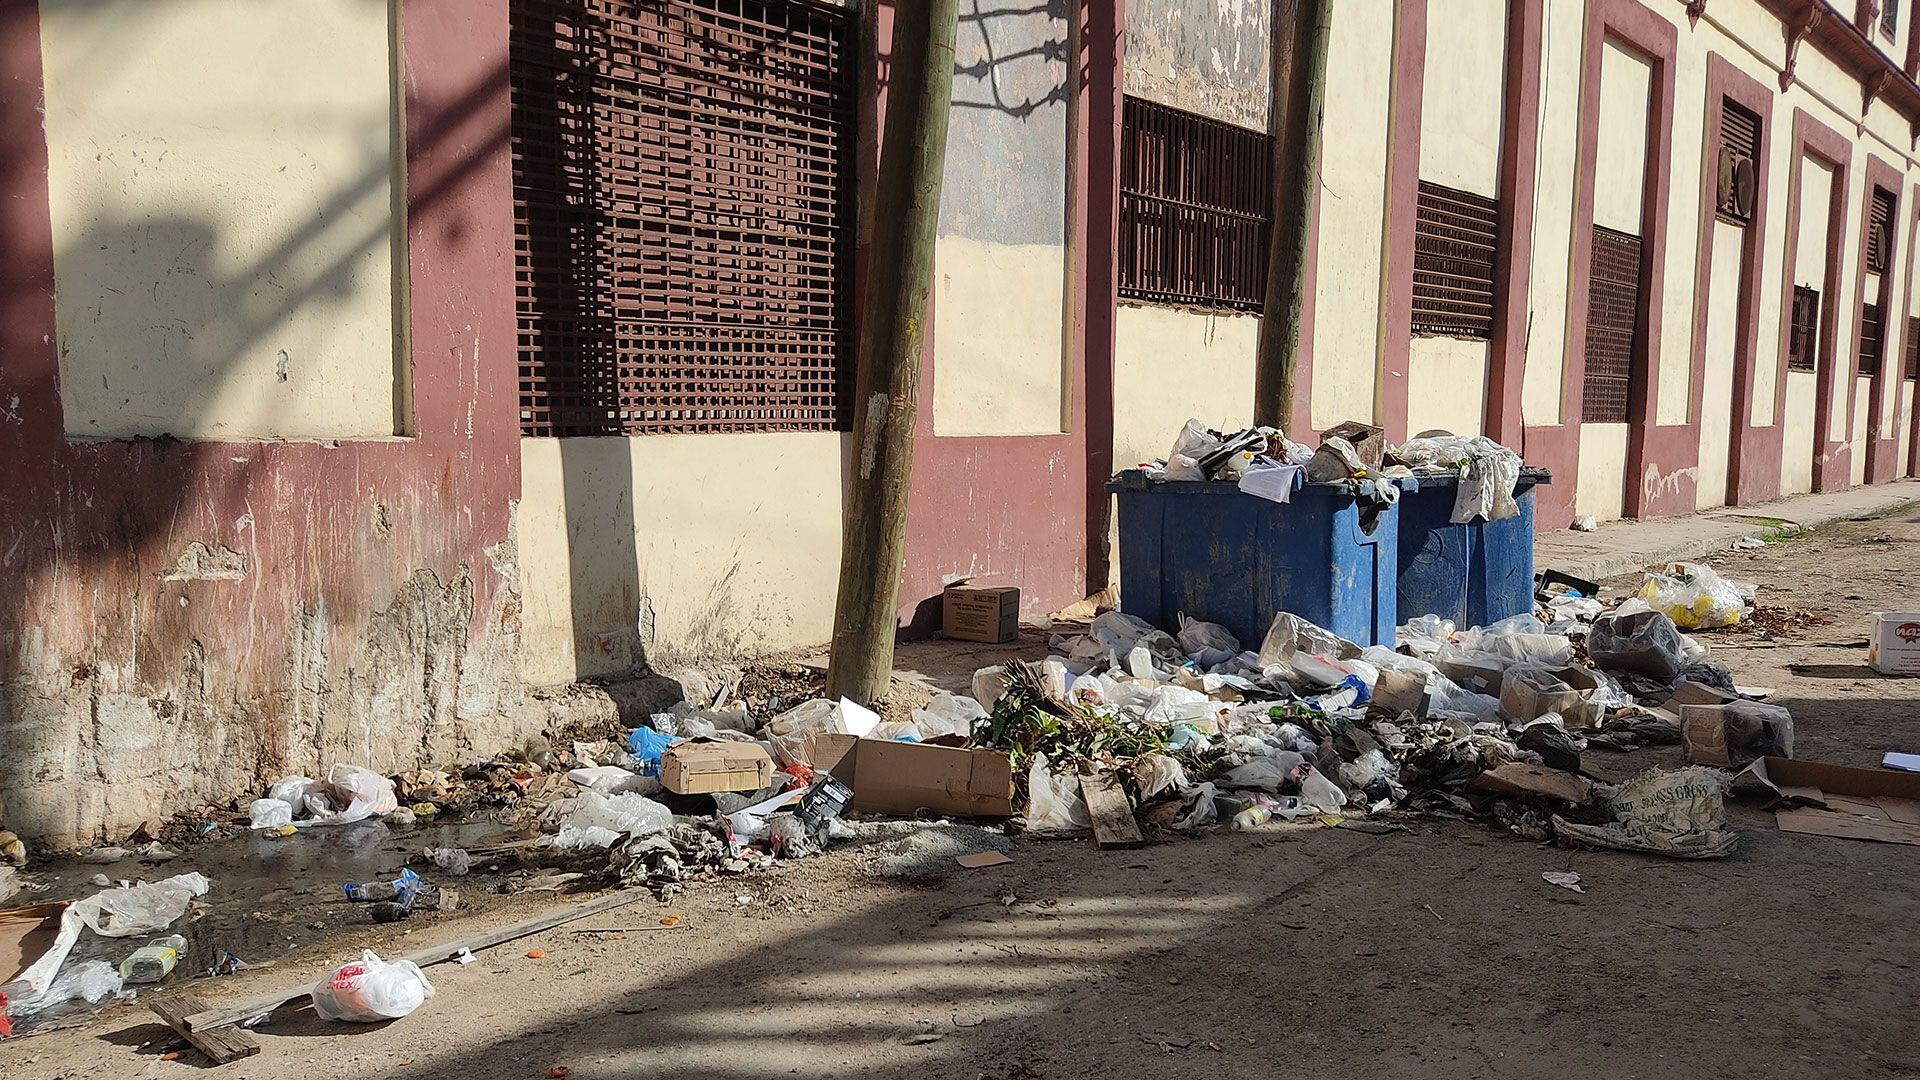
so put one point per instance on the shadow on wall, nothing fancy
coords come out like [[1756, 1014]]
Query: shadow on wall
[[91, 532]]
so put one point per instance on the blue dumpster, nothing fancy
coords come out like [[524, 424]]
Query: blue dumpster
[[1207, 549], [1474, 573]]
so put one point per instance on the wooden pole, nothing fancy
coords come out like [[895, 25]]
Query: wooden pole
[[906, 211], [1300, 32]]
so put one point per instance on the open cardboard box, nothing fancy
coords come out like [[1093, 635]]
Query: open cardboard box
[[902, 778], [1839, 800]]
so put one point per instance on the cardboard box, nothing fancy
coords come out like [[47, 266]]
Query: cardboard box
[[989, 613], [1736, 733], [902, 778], [1523, 698], [701, 766], [1838, 800], [1479, 676], [1369, 442], [1893, 644]]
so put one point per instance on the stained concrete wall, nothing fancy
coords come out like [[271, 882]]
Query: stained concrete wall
[[1001, 258], [1170, 365], [222, 177], [673, 547], [1210, 57], [1347, 317]]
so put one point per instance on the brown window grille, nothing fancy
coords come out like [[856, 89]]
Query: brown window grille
[[1872, 330], [1880, 231], [1455, 239], [1913, 347], [1739, 170], [1890, 19], [1613, 326], [682, 188], [1802, 340], [1196, 208]]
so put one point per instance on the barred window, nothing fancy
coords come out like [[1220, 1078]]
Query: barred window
[[1872, 331], [1803, 337], [1737, 182], [684, 227], [1913, 347], [1880, 231], [1613, 326], [1196, 209], [1455, 242]]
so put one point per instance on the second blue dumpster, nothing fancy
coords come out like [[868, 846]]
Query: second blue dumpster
[[1473, 573], [1213, 552]]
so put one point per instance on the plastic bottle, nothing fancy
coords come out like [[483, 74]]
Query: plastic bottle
[[153, 962], [1263, 809]]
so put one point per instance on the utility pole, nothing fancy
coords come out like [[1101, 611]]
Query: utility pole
[[1300, 32], [906, 212]]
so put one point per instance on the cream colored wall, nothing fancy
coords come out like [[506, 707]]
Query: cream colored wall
[[1674, 365], [1620, 157], [221, 177], [1000, 337], [1551, 334], [727, 545], [1716, 401], [1169, 365], [1353, 167], [1463, 101], [1603, 471], [1796, 442], [1447, 385]]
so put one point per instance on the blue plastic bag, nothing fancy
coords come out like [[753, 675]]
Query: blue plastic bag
[[647, 745]]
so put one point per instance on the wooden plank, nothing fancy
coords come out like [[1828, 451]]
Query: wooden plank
[[209, 1019], [1113, 822], [222, 1044]]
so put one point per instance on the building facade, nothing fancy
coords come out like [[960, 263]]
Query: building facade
[[478, 345]]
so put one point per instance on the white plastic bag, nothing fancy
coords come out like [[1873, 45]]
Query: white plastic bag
[[628, 813], [948, 714], [269, 813], [1271, 773], [292, 790], [371, 990], [614, 780], [1321, 794], [1196, 636], [350, 794], [1054, 804]]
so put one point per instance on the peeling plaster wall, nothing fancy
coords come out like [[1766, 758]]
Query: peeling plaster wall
[[185, 621], [1210, 57]]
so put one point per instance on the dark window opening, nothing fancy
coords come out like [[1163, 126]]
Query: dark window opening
[[1613, 326], [683, 201], [1196, 209], [1802, 338], [1880, 231], [1890, 19], [1738, 181], [1913, 347], [1455, 249], [1871, 333]]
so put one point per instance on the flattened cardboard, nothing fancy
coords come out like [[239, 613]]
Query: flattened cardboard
[[1838, 800], [1698, 693], [699, 767], [1514, 778], [982, 859], [902, 778], [25, 934]]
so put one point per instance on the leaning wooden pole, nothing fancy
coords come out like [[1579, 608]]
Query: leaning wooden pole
[[906, 210], [1300, 32]]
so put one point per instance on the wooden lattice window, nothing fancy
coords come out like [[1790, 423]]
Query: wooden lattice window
[[1456, 236], [683, 204], [1880, 231], [1803, 336], [1890, 19], [1872, 332], [1739, 155], [1196, 209], [1913, 347], [1613, 326]]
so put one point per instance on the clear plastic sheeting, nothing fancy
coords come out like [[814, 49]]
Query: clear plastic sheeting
[[1641, 643], [635, 815]]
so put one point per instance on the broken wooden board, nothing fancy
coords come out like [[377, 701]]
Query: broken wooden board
[[220, 1044], [1113, 822]]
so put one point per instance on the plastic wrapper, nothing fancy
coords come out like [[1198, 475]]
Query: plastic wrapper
[[357, 793], [1200, 808], [1054, 804], [1155, 773], [948, 714], [636, 815], [292, 790], [1290, 635], [1321, 794], [1488, 472], [573, 837], [1643, 643], [92, 982], [371, 990], [1425, 636], [614, 780], [1196, 636], [142, 908], [1275, 772], [1171, 704], [989, 685], [1697, 598], [1193, 443]]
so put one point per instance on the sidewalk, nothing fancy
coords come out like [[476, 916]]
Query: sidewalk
[[1621, 547]]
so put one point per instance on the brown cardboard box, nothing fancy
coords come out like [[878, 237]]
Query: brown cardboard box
[[1522, 698], [1735, 733], [989, 613], [699, 767], [1368, 441], [901, 778], [1838, 800], [1479, 676]]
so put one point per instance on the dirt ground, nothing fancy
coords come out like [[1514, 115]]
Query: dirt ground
[[1436, 952]]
